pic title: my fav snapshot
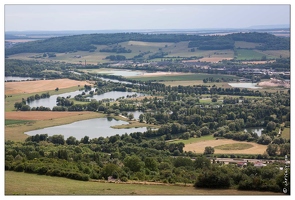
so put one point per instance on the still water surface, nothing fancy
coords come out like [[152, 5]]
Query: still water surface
[[93, 128], [256, 130], [51, 101], [125, 73], [19, 78], [245, 85]]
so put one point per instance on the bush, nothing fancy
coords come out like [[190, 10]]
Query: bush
[[124, 179], [19, 168], [213, 179], [42, 170], [8, 166], [30, 168]]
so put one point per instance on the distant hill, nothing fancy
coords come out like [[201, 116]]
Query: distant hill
[[279, 26], [86, 42]]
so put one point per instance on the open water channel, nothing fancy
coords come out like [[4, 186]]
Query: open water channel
[[51, 101]]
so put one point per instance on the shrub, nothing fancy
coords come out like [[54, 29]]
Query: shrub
[[19, 168], [42, 170], [213, 179], [8, 166], [124, 179], [30, 168]]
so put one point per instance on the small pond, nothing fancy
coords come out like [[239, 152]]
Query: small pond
[[257, 130], [93, 128], [245, 85], [51, 101], [115, 81], [19, 78], [125, 73], [114, 95]]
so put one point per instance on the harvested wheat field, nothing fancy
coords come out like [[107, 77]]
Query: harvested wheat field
[[40, 115], [199, 147], [40, 85]]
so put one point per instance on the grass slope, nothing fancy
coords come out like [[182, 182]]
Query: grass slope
[[286, 133], [19, 183], [195, 140]]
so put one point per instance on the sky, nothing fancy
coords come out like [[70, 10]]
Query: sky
[[139, 17]]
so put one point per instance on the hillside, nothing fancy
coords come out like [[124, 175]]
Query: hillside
[[87, 42]]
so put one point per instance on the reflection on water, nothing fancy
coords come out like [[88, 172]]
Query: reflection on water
[[93, 128], [114, 95], [51, 101], [19, 78], [125, 73], [257, 130], [245, 85]]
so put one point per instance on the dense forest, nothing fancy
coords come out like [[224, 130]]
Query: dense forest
[[86, 42]]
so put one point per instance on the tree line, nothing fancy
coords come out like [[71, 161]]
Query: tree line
[[133, 157], [86, 42]]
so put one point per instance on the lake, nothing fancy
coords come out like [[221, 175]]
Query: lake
[[125, 73], [114, 95], [116, 81], [51, 101], [256, 130], [19, 78], [93, 128], [245, 85]]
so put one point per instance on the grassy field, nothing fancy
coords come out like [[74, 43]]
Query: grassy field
[[13, 121], [276, 53], [286, 133], [235, 146], [246, 54], [181, 77], [199, 147], [246, 45], [19, 183], [177, 50], [194, 140]]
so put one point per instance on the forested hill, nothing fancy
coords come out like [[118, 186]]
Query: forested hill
[[86, 42]]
